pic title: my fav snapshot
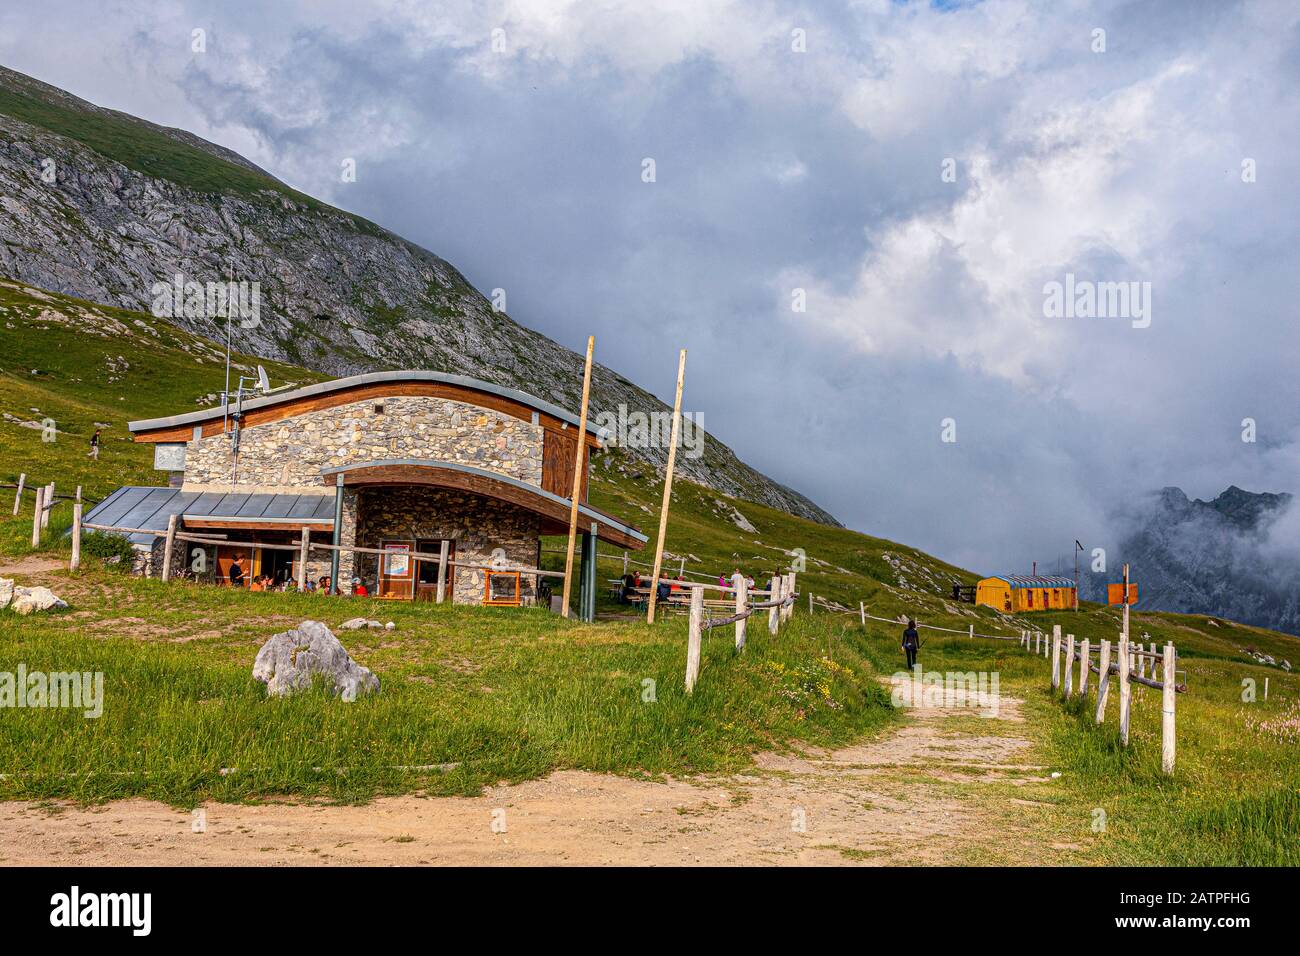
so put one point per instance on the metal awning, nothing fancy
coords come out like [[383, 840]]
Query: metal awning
[[149, 508]]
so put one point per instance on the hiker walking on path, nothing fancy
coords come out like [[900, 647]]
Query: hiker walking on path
[[911, 643], [94, 446]]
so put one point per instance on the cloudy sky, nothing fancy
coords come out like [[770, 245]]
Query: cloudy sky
[[921, 171]]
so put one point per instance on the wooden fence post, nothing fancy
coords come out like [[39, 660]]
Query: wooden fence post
[[1069, 667], [1085, 654], [36, 518], [1170, 695], [1103, 681], [1124, 690], [443, 550], [18, 496], [693, 641], [76, 537], [48, 504], [774, 612], [742, 600], [862, 612], [168, 547], [1038, 637], [972, 632], [304, 545], [1056, 657], [78, 492]]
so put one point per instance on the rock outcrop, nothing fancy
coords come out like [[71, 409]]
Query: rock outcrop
[[293, 660]]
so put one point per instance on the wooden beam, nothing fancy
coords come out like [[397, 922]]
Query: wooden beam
[[579, 459], [668, 484], [443, 550]]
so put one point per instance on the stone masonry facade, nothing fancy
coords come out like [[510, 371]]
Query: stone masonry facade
[[290, 454], [484, 530]]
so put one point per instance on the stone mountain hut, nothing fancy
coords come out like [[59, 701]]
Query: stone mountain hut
[[396, 461]]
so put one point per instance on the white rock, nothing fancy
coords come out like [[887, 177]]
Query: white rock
[[290, 661], [27, 600], [355, 624], [390, 626], [6, 592]]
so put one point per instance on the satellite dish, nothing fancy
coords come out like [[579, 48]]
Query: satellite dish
[[262, 381]]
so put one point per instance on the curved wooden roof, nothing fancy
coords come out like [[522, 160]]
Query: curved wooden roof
[[276, 406]]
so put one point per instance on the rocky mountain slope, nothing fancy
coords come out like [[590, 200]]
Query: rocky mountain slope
[[102, 206], [1223, 557]]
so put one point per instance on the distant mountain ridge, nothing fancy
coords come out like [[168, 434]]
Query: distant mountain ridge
[[1217, 557], [101, 205]]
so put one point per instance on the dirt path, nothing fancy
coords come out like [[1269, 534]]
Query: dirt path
[[920, 794]]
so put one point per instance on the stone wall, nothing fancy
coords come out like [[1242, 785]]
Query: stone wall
[[291, 453], [478, 526]]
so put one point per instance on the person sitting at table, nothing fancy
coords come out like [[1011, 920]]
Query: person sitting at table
[[629, 588], [324, 584], [662, 591], [359, 589], [678, 587]]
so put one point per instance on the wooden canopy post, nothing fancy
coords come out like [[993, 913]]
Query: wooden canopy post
[[693, 641], [742, 599], [668, 490], [1169, 697], [169, 546], [18, 496], [76, 537], [443, 550], [304, 546], [579, 459], [1103, 682]]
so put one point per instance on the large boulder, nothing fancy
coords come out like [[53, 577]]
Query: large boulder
[[291, 661], [6, 592], [27, 600]]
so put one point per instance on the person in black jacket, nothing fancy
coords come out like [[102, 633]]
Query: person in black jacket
[[911, 643]]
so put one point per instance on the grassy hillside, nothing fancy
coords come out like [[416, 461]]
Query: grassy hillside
[[472, 696]]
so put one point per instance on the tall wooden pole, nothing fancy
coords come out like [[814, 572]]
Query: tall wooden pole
[[668, 489], [578, 461]]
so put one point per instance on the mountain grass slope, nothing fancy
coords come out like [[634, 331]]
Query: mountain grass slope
[[473, 696]]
